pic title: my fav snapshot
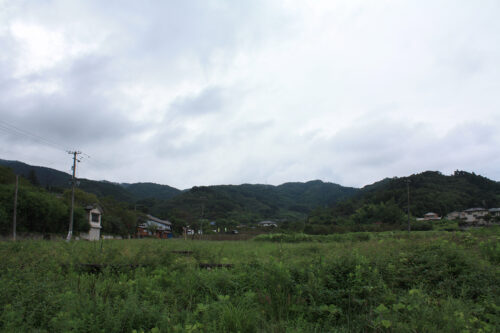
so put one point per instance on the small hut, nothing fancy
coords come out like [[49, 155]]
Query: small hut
[[94, 214]]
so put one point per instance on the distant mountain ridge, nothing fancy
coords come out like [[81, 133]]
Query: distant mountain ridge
[[51, 178], [251, 202], [429, 191], [149, 190], [256, 200]]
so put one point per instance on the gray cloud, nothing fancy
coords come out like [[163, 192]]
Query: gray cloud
[[262, 92], [207, 101]]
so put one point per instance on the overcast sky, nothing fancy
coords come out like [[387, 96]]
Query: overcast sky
[[209, 92]]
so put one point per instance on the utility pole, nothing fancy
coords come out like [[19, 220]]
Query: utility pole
[[73, 185], [408, 193], [14, 226]]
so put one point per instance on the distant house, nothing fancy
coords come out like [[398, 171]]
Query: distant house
[[494, 212], [453, 215], [472, 215], [94, 214], [155, 227], [266, 224], [431, 216]]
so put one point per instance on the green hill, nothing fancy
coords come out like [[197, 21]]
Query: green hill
[[56, 180], [249, 203], [317, 202], [151, 190], [430, 191], [47, 212]]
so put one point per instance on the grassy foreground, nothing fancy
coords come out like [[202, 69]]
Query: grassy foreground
[[394, 282]]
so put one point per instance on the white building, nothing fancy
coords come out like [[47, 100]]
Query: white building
[[267, 224], [494, 212], [94, 214], [431, 216], [473, 214]]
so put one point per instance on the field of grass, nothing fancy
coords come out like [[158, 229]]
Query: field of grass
[[394, 282]]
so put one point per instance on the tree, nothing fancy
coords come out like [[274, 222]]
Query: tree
[[33, 178]]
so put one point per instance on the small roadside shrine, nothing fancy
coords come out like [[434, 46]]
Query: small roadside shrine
[[94, 214]]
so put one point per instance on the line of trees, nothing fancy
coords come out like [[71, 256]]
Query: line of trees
[[42, 211]]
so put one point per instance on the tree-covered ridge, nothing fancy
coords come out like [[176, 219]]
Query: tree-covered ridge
[[57, 180], [323, 206], [250, 203], [42, 211], [151, 190], [430, 191]]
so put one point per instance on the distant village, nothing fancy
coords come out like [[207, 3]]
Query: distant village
[[470, 217], [151, 227], [158, 228]]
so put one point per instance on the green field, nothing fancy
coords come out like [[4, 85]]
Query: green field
[[394, 282]]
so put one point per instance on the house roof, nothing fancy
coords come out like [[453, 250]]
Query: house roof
[[157, 220], [477, 209], [94, 206], [494, 209], [430, 213], [267, 222]]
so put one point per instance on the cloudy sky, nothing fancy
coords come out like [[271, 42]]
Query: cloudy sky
[[226, 92]]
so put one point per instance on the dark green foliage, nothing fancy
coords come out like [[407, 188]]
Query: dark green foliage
[[33, 179], [435, 192], [384, 212], [40, 211], [46, 177], [142, 191], [250, 203], [386, 201], [37, 211], [55, 180]]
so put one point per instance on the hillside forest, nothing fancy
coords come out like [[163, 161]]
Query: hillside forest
[[314, 207]]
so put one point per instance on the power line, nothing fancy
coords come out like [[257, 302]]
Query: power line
[[9, 128], [12, 129]]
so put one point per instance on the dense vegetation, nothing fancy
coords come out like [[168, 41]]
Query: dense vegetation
[[250, 203], [244, 203], [142, 191], [422, 282], [314, 207], [37, 211], [386, 201], [42, 211]]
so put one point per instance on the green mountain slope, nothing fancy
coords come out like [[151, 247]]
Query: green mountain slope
[[249, 203], [430, 191], [46, 212], [151, 190], [54, 179]]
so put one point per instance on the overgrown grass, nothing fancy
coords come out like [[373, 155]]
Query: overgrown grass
[[422, 282]]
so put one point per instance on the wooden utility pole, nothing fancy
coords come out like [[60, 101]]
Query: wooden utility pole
[[408, 192], [14, 222], [73, 185]]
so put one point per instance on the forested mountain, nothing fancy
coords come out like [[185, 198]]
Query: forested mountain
[[318, 203], [45, 177], [246, 202], [42, 211], [53, 179], [151, 190], [249, 203], [430, 191]]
